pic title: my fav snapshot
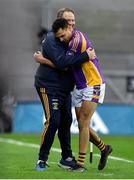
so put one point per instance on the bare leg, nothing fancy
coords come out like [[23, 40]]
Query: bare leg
[[86, 112], [94, 138]]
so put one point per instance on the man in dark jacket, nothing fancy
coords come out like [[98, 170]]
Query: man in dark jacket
[[54, 87]]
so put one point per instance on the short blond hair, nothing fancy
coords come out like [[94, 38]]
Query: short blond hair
[[62, 10]]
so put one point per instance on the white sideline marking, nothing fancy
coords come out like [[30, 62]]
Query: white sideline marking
[[20, 143], [116, 158]]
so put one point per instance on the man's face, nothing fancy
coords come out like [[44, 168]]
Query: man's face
[[64, 34], [69, 16]]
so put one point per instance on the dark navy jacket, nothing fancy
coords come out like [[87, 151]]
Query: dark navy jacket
[[57, 79]]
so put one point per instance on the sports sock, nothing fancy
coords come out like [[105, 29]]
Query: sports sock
[[81, 158], [101, 145]]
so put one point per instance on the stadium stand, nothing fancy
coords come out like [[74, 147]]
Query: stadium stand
[[107, 22]]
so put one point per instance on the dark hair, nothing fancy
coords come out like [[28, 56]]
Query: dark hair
[[62, 10], [59, 23]]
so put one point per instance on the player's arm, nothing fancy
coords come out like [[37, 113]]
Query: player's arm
[[62, 60], [70, 59], [59, 57], [73, 59], [76, 60], [40, 59], [73, 56]]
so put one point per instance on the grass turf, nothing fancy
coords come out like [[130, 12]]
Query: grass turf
[[18, 161]]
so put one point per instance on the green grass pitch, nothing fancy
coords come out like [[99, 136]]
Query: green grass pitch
[[19, 152]]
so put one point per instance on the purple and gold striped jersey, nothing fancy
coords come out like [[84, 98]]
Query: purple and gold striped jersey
[[89, 73]]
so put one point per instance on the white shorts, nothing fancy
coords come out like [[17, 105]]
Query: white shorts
[[94, 94]]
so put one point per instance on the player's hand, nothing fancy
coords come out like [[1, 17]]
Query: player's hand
[[38, 56], [91, 53]]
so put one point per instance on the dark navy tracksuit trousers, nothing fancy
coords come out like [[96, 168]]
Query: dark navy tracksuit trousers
[[57, 108]]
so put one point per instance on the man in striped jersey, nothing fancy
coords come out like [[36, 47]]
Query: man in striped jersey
[[90, 86]]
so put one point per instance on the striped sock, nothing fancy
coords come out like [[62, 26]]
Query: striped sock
[[81, 158], [101, 145]]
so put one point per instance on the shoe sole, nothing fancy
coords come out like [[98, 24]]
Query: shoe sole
[[63, 166]]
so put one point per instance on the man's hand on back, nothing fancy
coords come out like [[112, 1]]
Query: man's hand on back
[[91, 53]]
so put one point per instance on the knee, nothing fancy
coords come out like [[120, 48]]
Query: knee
[[83, 113], [83, 124]]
